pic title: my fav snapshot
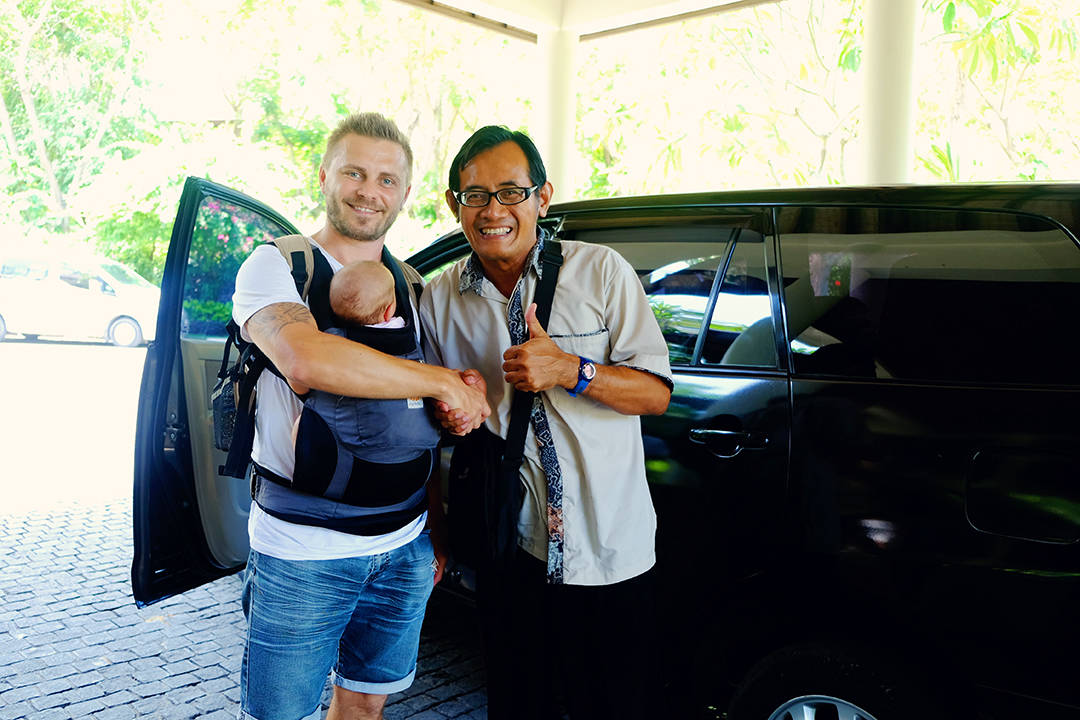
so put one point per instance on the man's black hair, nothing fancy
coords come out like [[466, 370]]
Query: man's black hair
[[488, 137]]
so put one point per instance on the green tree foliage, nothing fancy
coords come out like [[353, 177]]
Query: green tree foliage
[[70, 99], [754, 97], [108, 105], [994, 104]]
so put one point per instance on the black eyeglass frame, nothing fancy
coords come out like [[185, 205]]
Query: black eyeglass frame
[[459, 195]]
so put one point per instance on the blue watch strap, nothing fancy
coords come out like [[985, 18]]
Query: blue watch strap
[[583, 380]]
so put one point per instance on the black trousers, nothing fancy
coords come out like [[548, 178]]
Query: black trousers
[[590, 650]]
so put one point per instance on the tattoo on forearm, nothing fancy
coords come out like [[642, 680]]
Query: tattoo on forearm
[[271, 320]]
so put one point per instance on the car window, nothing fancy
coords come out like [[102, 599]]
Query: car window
[[13, 269], [74, 277], [125, 275], [678, 267], [930, 295], [224, 235], [679, 295], [741, 326]]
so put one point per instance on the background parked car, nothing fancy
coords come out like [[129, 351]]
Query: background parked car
[[866, 481], [77, 298]]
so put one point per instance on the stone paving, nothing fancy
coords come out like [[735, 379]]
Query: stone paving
[[73, 644]]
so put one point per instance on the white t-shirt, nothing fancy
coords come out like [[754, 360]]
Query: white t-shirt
[[263, 280]]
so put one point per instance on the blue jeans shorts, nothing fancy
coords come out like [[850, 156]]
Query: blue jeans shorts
[[359, 616]]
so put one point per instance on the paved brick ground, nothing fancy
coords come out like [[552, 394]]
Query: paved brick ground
[[73, 644]]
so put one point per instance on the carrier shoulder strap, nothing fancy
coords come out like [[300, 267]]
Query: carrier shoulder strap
[[312, 274], [513, 454], [401, 293], [298, 253]]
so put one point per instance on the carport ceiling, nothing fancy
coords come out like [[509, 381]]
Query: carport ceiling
[[530, 18]]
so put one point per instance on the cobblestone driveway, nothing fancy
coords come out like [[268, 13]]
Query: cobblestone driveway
[[73, 644]]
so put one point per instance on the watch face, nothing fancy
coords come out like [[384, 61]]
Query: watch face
[[588, 371]]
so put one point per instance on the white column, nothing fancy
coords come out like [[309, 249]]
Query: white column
[[888, 98], [558, 111]]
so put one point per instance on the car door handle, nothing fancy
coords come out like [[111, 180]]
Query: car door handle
[[728, 443]]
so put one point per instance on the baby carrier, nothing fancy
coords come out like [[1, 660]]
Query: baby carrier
[[368, 485]]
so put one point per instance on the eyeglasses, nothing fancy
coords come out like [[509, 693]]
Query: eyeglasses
[[505, 196]]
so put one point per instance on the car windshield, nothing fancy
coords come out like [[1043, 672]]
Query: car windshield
[[125, 275]]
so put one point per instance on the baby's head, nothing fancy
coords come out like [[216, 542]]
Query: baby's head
[[362, 293]]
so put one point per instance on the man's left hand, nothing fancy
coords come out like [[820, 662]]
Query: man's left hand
[[538, 364], [439, 544]]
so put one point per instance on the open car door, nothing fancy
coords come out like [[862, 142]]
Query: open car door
[[191, 523]]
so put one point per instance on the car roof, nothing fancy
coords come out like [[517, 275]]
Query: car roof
[[1059, 201], [968, 195]]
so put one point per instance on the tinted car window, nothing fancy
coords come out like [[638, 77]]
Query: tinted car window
[[679, 294], [741, 327], [677, 266], [930, 295], [225, 234]]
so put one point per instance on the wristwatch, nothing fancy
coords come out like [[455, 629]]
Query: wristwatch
[[586, 372]]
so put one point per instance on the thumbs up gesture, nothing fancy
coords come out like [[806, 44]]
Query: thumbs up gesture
[[538, 364]]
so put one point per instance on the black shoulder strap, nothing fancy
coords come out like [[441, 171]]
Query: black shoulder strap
[[401, 292], [318, 297], [401, 286], [551, 259]]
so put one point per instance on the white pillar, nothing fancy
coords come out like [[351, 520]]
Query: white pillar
[[555, 137], [888, 107]]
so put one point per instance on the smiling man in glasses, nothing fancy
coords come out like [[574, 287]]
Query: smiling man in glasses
[[576, 599]]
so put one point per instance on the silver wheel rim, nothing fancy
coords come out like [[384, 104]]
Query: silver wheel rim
[[808, 707], [124, 333]]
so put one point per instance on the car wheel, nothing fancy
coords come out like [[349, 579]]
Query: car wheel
[[125, 332], [818, 681]]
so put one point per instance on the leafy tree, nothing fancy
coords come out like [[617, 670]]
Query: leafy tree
[[69, 99], [760, 96], [1006, 64]]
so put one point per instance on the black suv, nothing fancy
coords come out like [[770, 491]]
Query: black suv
[[867, 485]]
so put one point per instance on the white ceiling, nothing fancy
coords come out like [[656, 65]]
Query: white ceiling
[[584, 16]]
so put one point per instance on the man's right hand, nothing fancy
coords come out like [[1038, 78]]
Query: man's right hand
[[461, 419]]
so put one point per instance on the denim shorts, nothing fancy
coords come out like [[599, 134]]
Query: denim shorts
[[359, 616]]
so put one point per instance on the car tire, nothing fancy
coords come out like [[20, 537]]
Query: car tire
[[125, 332], [808, 680]]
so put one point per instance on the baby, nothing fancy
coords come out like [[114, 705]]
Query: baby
[[362, 293]]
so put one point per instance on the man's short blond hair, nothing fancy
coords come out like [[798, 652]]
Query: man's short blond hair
[[372, 125], [361, 291]]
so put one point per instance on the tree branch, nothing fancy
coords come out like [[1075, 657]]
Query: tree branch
[[27, 32], [9, 135]]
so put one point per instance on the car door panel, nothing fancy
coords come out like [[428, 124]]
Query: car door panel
[[223, 501], [189, 522], [716, 461], [934, 459]]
